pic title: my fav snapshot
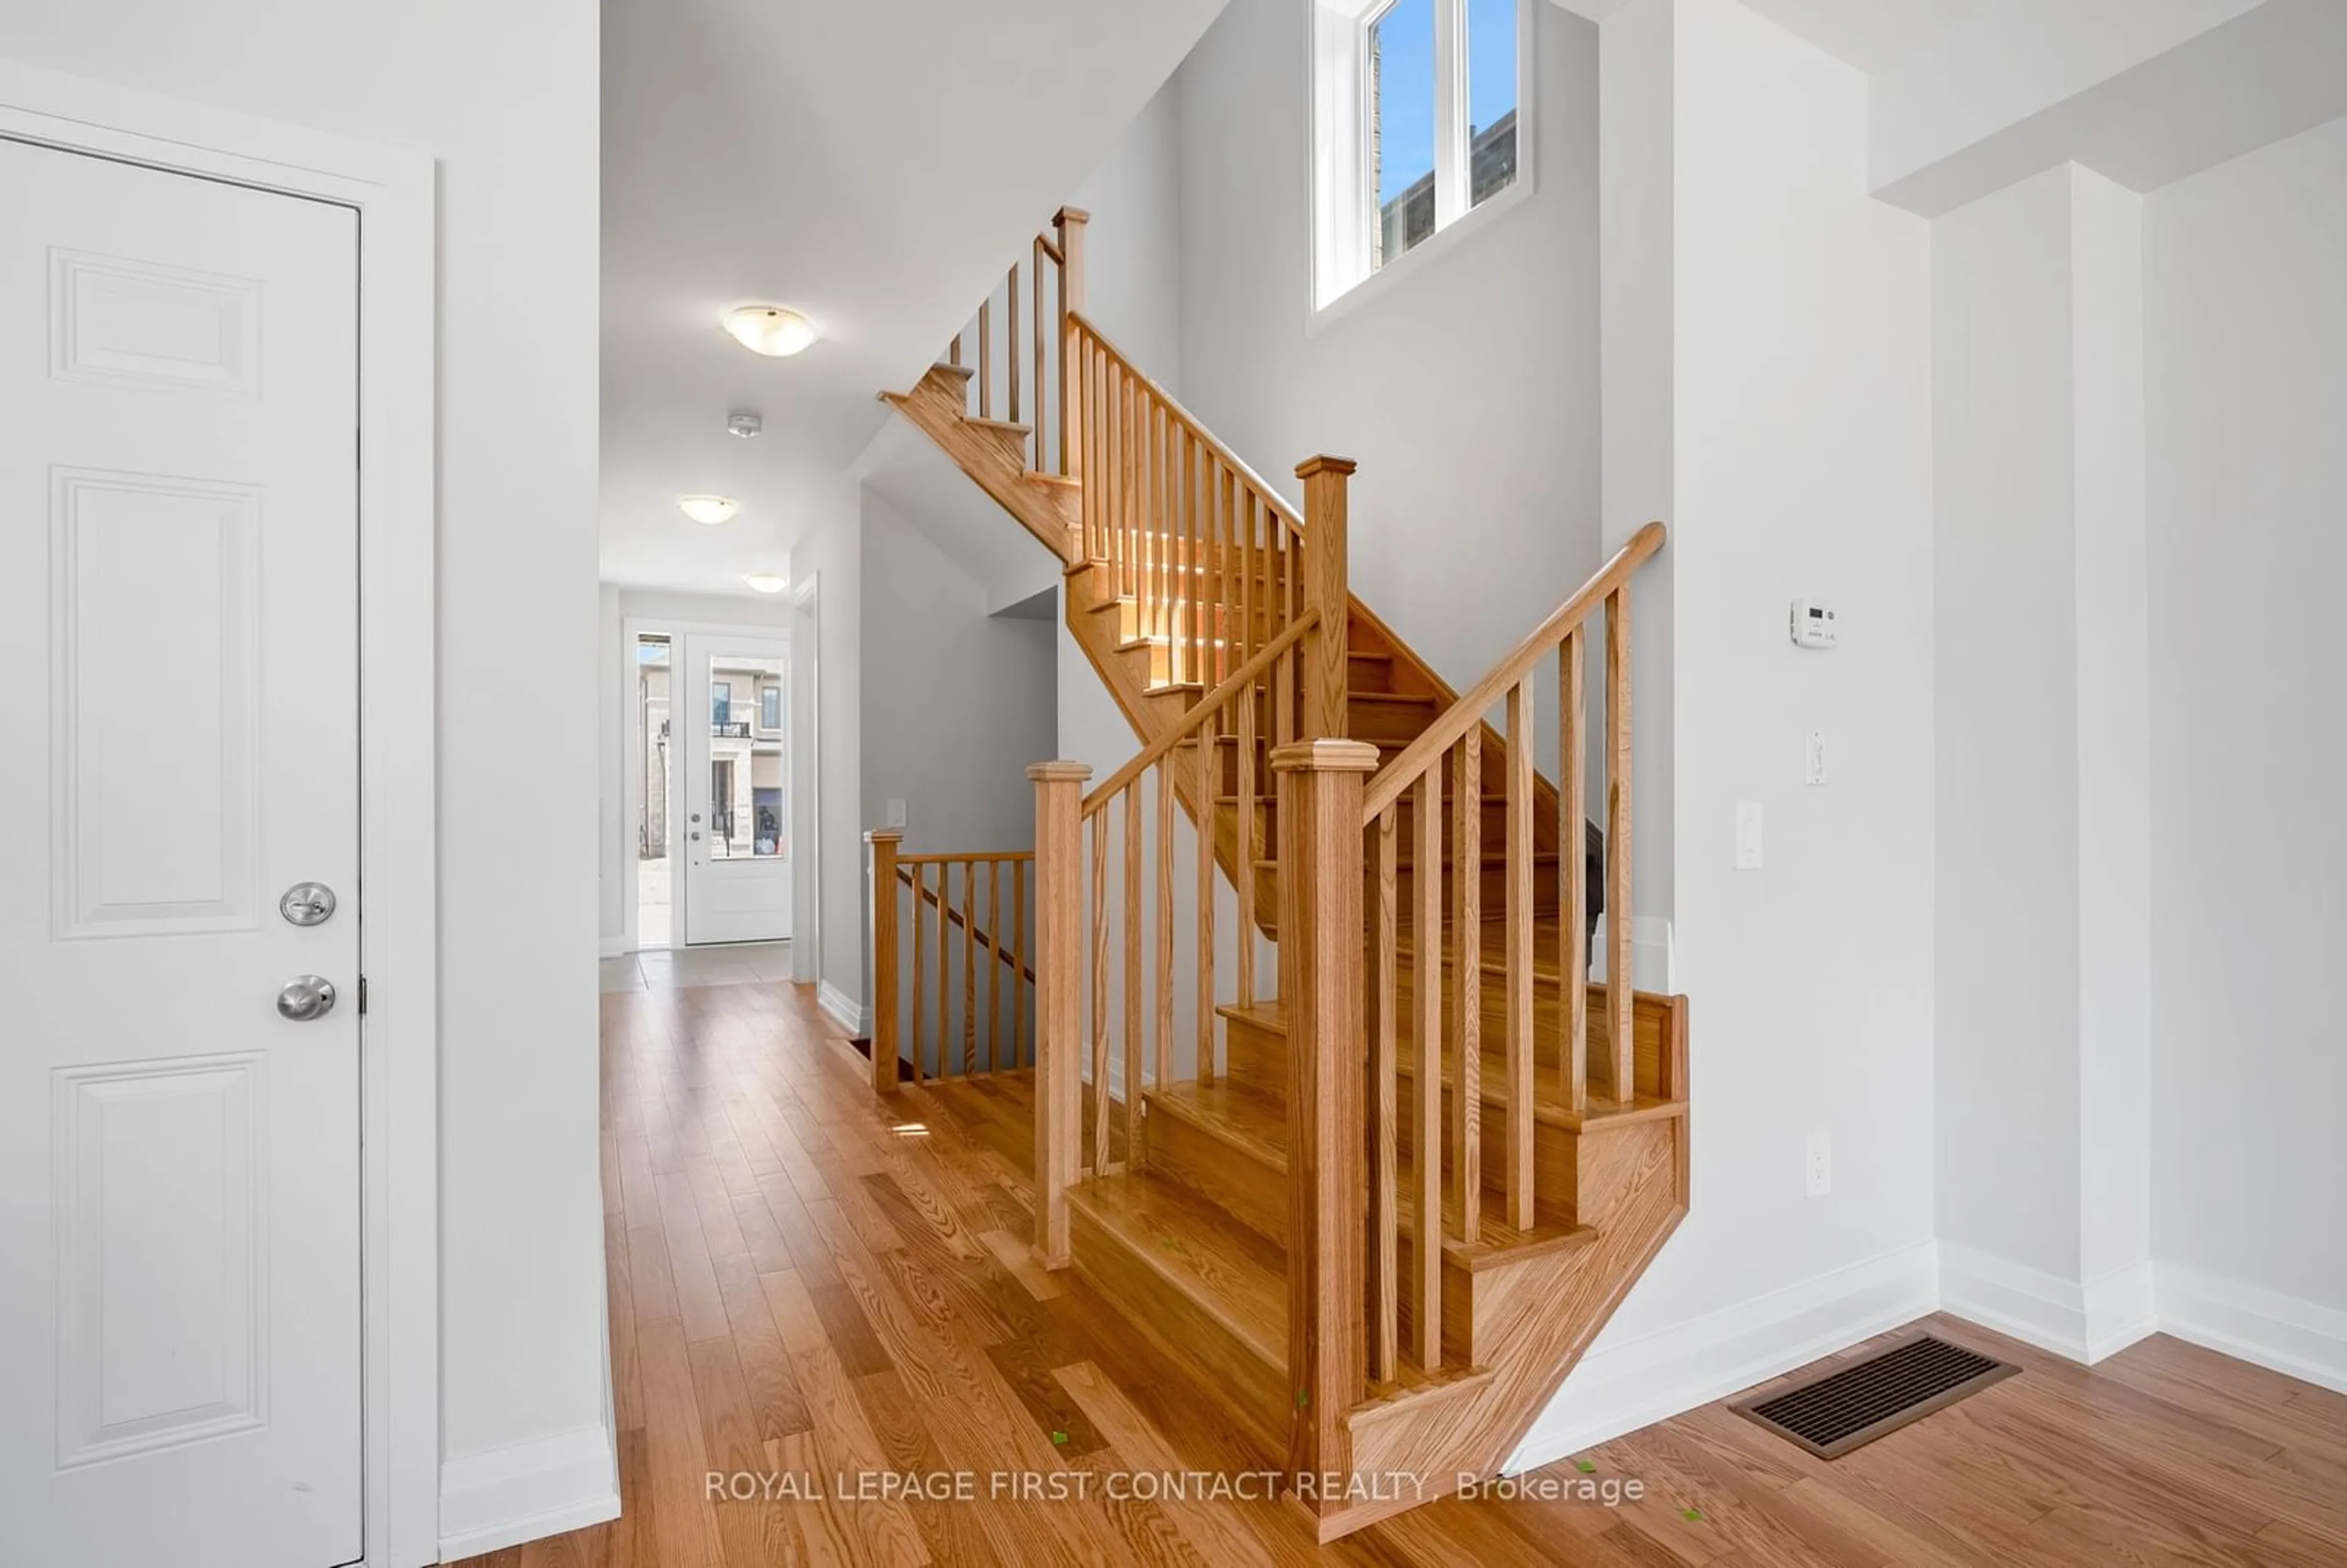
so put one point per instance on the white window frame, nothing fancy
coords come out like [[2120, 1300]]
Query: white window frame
[[1343, 208]]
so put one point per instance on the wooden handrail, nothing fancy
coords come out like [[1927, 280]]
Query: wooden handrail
[[1245, 675], [1188, 421], [1467, 713]]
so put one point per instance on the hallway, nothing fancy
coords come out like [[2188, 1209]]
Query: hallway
[[827, 1298]]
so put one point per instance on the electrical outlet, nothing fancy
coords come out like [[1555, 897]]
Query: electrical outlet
[[1820, 1165], [1747, 835], [1814, 753]]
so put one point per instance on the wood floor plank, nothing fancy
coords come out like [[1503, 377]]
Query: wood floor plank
[[804, 1286]]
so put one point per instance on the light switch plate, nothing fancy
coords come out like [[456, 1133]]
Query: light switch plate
[[1814, 758], [1747, 835], [895, 814]]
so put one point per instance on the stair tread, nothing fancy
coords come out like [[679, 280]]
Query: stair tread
[[1246, 1114], [1007, 425], [1256, 1119], [1200, 1249]]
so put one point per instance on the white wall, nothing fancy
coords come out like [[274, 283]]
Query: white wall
[[957, 702], [2044, 1129], [1802, 465], [831, 554], [2247, 398], [506, 99], [1465, 385]]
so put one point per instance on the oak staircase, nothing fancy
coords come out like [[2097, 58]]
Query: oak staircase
[[1380, 1164]]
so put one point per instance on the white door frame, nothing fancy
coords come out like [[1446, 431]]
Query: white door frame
[[632, 740], [806, 951], [391, 189]]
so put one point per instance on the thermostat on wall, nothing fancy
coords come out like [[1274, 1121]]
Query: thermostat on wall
[[1814, 625]]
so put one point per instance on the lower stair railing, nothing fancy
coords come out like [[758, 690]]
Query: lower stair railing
[[1425, 957], [953, 979]]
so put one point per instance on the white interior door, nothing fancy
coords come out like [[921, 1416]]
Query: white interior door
[[734, 713], [179, 1156]]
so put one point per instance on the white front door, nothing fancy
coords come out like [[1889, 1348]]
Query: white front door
[[179, 747], [734, 712]]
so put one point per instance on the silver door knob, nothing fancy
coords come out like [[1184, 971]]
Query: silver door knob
[[306, 997]]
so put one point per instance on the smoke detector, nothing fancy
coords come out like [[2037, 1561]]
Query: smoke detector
[[744, 425]]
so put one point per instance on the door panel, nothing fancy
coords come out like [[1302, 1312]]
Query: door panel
[[737, 850], [178, 1161]]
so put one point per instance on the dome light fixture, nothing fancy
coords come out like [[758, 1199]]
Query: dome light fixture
[[770, 330], [766, 581], [708, 510]]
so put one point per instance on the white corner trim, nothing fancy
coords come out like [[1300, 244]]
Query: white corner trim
[[2081, 1323], [2282, 1333], [1621, 1387], [842, 1010], [1653, 959], [502, 1497]]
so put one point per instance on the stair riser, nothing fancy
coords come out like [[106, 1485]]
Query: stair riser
[[1647, 1026], [1253, 1391], [1402, 722], [1253, 1189], [1555, 1154], [1493, 884], [1254, 1055]]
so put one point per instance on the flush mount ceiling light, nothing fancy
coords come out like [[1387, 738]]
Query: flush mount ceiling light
[[770, 330], [766, 581], [710, 509]]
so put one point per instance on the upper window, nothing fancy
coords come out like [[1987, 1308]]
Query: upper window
[[1417, 110], [769, 708]]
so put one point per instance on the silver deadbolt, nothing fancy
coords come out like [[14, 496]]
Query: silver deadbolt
[[306, 997], [307, 904]]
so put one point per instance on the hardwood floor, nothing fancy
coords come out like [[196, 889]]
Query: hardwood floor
[[817, 1296]]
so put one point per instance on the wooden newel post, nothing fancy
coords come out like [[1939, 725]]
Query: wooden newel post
[[1325, 590], [1058, 997], [1321, 930], [882, 843], [1068, 225]]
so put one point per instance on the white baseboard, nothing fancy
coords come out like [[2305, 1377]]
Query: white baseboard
[[1619, 1388], [615, 947], [2081, 1324], [842, 1010], [2282, 1333], [502, 1497]]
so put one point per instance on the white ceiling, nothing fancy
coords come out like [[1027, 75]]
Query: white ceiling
[[873, 166], [1875, 35]]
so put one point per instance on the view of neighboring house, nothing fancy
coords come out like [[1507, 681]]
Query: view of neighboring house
[[1098, 782]]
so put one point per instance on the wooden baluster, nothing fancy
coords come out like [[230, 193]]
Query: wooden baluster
[[1019, 965], [1618, 977], [968, 967], [1091, 500], [1101, 1115], [920, 966], [1320, 926], [1573, 905], [1426, 995], [1325, 590], [1209, 818], [1161, 469], [1010, 339], [986, 358], [1164, 1063], [1069, 227], [1385, 1153], [1243, 775], [885, 1038], [1467, 1012], [1250, 564], [1058, 997], [1521, 867], [994, 967], [1133, 981], [1045, 462]]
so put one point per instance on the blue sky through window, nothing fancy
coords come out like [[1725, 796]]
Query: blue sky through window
[[1490, 61], [1405, 43]]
